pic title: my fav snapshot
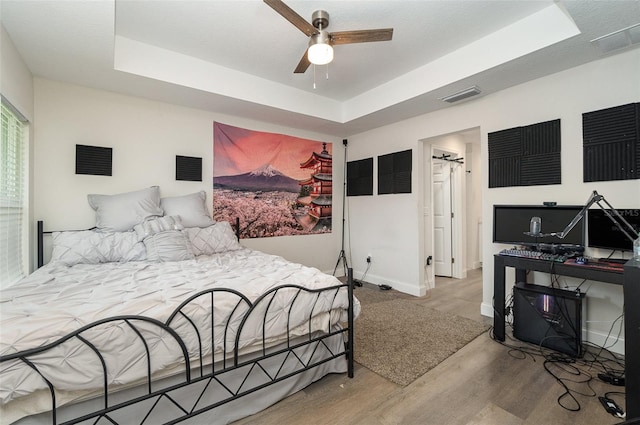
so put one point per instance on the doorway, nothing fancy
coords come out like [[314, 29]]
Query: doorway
[[452, 205], [444, 185]]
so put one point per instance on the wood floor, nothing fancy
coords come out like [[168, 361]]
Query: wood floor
[[484, 383]]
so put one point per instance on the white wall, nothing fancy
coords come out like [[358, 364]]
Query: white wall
[[473, 178], [145, 137], [386, 226], [391, 227], [16, 81]]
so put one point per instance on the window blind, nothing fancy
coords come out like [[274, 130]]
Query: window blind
[[13, 225]]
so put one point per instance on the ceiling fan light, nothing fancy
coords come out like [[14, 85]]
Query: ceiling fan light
[[320, 51], [320, 54]]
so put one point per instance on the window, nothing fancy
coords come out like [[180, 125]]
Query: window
[[13, 188]]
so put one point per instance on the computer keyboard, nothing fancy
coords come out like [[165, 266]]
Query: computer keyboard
[[536, 255]]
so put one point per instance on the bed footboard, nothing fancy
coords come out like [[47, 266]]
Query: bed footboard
[[202, 356]]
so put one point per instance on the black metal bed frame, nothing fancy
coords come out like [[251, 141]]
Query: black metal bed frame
[[207, 376]]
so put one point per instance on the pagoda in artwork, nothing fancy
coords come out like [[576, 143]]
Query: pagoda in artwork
[[317, 189]]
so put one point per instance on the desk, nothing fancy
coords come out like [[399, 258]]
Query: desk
[[629, 277]]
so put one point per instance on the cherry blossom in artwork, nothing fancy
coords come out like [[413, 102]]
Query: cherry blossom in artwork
[[276, 185]]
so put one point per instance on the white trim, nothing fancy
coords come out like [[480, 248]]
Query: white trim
[[459, 269]]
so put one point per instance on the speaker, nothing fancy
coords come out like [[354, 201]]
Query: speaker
[[549, 317]]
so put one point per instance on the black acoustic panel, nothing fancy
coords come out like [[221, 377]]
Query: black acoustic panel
[[504, 172], [94, 160], [611, 143], [531, 166], [610, 125], [360, 177], [610, 161], [505, 143], [385, 184], [541, 138], [385, 164], [402, 161], [402, 182], [394, 172], [189, 168], [505, 151], [525, 156]]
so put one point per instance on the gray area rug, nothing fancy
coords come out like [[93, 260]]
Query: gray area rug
[[401, 340]]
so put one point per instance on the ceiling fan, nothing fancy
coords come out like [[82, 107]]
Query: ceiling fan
[[320, 50]]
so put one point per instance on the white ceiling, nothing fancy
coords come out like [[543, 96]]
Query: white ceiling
[[237, 57]]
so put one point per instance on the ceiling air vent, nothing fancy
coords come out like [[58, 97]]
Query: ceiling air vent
[[462, 94], [618, 39]]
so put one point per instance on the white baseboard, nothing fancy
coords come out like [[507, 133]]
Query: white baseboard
[[395, 284], [486, 309], [600, 339]]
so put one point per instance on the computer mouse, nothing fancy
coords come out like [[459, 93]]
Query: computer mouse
[[581, 260]]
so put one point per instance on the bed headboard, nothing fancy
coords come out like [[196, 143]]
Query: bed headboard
[[40, 243]]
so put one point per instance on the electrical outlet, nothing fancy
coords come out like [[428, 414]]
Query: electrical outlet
[[429, 260], [369, 258]]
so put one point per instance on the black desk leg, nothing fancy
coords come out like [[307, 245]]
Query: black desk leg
[[632, 339], [498, 297]]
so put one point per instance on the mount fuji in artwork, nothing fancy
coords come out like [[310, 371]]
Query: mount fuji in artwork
[[263, 178]]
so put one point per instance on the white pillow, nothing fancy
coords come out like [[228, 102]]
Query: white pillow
[[92, 247], [119, 213], [213, 239], [156, 225], [170, 245], [191, 209]]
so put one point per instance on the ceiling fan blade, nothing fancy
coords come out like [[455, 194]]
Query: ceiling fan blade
[[361, 36], [303, 64], [291, 16]]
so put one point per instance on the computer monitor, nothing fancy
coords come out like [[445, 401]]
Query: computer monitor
[[603, 233], [511, 222]]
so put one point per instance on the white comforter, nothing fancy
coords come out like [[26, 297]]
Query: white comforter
[[57, 299]]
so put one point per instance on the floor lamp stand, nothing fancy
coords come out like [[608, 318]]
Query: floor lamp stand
[[342, 256]]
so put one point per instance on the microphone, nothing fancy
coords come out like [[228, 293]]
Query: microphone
[[535, 226]]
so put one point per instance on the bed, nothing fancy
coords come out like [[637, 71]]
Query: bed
[[208, 334]]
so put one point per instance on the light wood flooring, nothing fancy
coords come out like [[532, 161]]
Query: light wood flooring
[[484, 383]]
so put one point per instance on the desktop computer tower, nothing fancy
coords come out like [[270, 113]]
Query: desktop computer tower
[[549, 317]]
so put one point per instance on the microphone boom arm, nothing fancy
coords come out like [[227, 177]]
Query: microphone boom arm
[[596, 198]]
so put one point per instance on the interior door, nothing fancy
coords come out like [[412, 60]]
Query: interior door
[[442, 226]]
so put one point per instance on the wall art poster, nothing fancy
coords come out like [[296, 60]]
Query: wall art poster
[[277, 185]]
